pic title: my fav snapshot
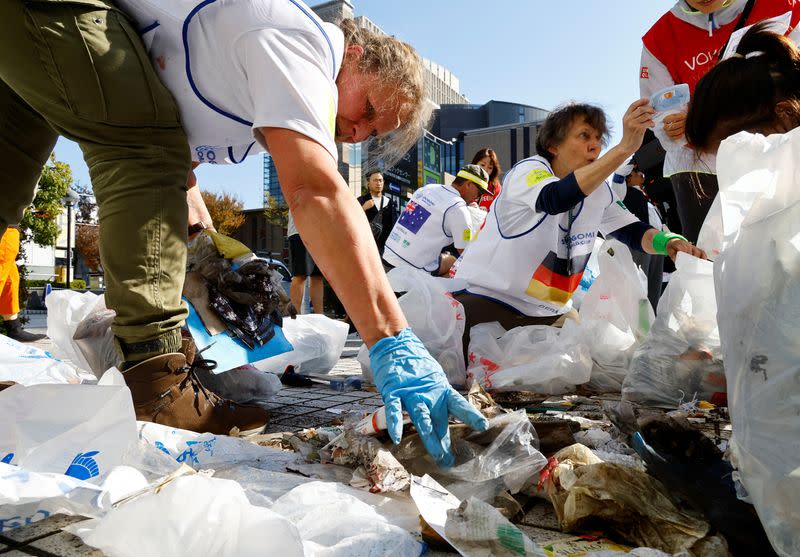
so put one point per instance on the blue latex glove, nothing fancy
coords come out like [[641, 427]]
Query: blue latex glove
[[409, 378]]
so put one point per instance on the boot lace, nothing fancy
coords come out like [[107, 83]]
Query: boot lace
[[194, 381]]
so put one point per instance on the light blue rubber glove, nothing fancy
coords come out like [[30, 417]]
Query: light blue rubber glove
[[409, 378]]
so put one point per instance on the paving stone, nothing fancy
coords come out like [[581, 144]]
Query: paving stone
[[321, 403], [41, 528], [339, 398], [15, 553], [287, 399], [542, 515], [294, 409], [65, 544], [301, 422], [279, 428]]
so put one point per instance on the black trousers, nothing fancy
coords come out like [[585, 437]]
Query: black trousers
[[694, 193]]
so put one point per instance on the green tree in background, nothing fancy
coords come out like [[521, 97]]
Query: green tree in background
[[39, 224]]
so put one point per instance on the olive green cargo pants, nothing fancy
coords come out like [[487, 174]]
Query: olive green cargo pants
[[77, 68]]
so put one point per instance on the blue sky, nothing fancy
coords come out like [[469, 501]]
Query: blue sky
[[537, 52]]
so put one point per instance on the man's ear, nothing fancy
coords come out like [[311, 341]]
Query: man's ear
[[354, 52]]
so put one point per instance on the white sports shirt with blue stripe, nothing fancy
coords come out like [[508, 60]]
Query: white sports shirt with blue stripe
[[237, 65]]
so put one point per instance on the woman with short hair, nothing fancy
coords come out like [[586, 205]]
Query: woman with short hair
[[530, 255]]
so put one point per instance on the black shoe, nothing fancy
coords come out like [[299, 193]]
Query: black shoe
[[15, 331]]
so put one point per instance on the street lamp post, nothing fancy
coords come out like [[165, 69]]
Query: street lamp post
[[69, 200]]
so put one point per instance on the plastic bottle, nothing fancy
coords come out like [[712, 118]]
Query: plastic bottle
[[376, 422]]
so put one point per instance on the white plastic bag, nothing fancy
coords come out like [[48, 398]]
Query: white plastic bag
[[192, 516], [435, 317], [615, 316], [317, 343], [78, 430], [65, 310], [28, 365], [681, 358], [757, 276], [535, 358]]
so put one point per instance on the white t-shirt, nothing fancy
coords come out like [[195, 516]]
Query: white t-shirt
[[434, 218], [530, 260], [237, 65]]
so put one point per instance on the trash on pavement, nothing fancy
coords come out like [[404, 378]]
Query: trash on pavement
[[587, 492], [681, 359], [474, 530]]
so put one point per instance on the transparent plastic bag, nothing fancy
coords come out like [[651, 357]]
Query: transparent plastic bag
[[757, 279], [503, 458], [681, 359], [534, 358]]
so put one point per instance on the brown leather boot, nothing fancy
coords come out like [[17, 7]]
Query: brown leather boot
[[166, 391]]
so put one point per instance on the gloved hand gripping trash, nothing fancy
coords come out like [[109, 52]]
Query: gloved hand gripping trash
[[409, 378]]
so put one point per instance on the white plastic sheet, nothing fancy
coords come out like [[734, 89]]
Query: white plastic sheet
[[435, 317], [29, 365], [757, 277], [534, 358]]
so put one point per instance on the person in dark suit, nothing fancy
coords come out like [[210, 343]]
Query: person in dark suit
[[379, 208]]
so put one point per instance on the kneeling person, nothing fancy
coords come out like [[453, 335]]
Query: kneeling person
[[530, 256], [435, 217]]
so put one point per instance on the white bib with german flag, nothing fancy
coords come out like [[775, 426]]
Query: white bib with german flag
[[530, 260], [435, 217]]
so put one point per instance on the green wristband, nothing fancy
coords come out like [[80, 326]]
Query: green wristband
[[661, 239]]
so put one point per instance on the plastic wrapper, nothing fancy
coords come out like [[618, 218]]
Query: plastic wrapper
[[681, 359], [29, 365], [435, 317], [533, 358], [615, 316], [758, 292], [488, 463]]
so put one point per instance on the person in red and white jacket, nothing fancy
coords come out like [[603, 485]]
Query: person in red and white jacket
[[680, 48]]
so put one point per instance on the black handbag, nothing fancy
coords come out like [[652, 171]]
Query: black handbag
[[376, 224]]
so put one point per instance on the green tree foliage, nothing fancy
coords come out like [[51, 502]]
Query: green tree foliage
[[40, 222], [276, 212]]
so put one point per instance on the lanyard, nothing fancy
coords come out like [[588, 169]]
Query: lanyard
[[567, 239]]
